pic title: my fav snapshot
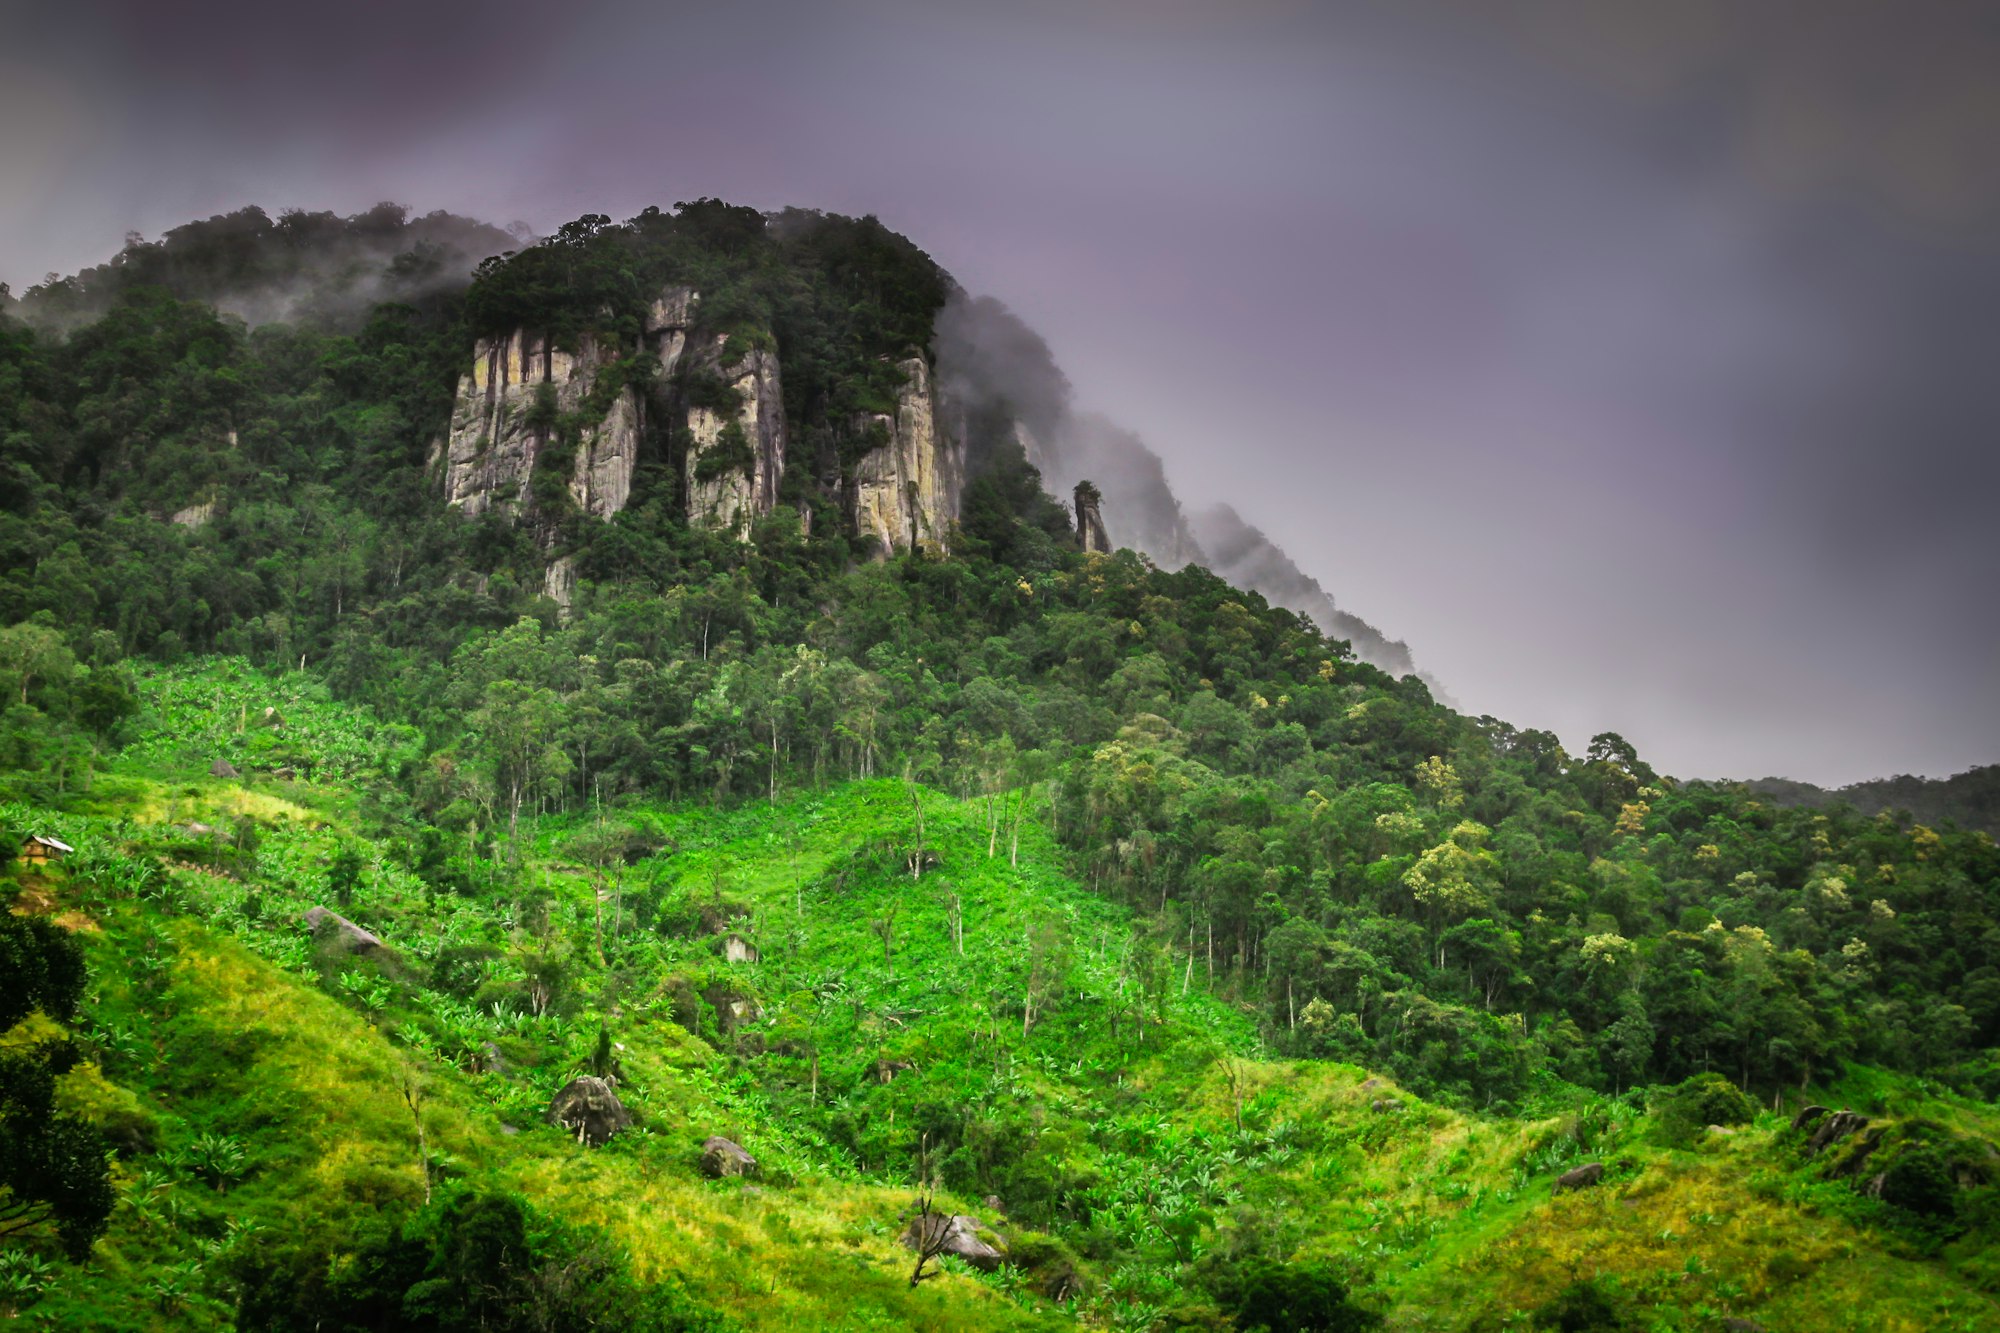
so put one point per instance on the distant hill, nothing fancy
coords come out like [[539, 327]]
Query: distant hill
[[1971, 799], [315, 267]]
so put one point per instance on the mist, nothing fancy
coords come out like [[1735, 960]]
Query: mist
[[990, 361], [1631, 362], [302, 267]]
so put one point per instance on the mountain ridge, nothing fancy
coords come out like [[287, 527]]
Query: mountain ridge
[[1198, 970]]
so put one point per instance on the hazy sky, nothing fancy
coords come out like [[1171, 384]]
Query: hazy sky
[[1639, 364]]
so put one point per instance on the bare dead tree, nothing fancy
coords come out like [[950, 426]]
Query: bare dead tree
[[886, 928], [931, 1232], [954, 920], [410, 1084]]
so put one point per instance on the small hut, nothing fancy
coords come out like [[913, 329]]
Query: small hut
[[39, 849]]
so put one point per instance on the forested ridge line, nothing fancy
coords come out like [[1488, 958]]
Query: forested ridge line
[[1100, 888]]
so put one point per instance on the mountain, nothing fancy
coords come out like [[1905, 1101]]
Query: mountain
[[488, 764], [1970, 799]]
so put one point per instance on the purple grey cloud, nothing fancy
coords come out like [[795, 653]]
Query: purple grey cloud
[[1630, 361]]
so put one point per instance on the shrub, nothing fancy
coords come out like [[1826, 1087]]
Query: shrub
[[1289, 1298], [1704, 1100], [1589, 1306]]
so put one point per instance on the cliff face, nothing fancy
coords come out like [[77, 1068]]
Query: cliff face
[[496, 439], [735, 456], [906, 492], [1090, 533]]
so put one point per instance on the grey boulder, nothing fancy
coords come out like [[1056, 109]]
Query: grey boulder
[[589, 1109], [722, 1157], [957, 1234]]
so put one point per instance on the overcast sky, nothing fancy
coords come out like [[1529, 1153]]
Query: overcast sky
[[1639, 364]]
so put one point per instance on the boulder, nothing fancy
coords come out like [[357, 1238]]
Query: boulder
[[1805, 1118], [1580, 1177], [733, 1009], [589, 1109], [1834, 1128], [722, 1157], [1857, 1156], [957, 1234], [336, 933]]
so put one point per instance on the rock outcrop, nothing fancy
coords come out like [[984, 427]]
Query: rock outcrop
[[735, 453], [502, 423], [722, 1157], [588, 1108], [958, 1234], [330, 927], [339, 944], [1090, 533], [1834, 1128], [906, 491]]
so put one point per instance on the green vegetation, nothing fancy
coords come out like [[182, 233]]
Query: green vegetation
[[1226, 980]]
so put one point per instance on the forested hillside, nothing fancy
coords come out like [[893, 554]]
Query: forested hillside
[[1971, 798], [1255, 987]]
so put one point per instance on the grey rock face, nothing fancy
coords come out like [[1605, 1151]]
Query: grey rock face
[[1857, 1155], [326, 925], [906, 492], [957, 1234], [589, 1109], [338, 942], [722, 1157], [489, 457], [195, 515], [1090, 533], [1834, 1128], [736, 458], [559, 583]]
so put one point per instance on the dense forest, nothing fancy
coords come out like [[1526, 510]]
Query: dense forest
[[229, 573]]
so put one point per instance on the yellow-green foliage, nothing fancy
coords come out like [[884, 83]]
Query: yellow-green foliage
[[258, 1091]]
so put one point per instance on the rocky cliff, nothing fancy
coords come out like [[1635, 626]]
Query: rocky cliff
[[906, 491], [1090, 533], [503, 422], [735, 454], [523, 397]]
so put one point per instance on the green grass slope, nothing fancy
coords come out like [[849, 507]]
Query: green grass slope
[[924, 1001]]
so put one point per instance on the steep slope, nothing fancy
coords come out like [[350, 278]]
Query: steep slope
[[1008, 377], [1246, 557], [927, 994]]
